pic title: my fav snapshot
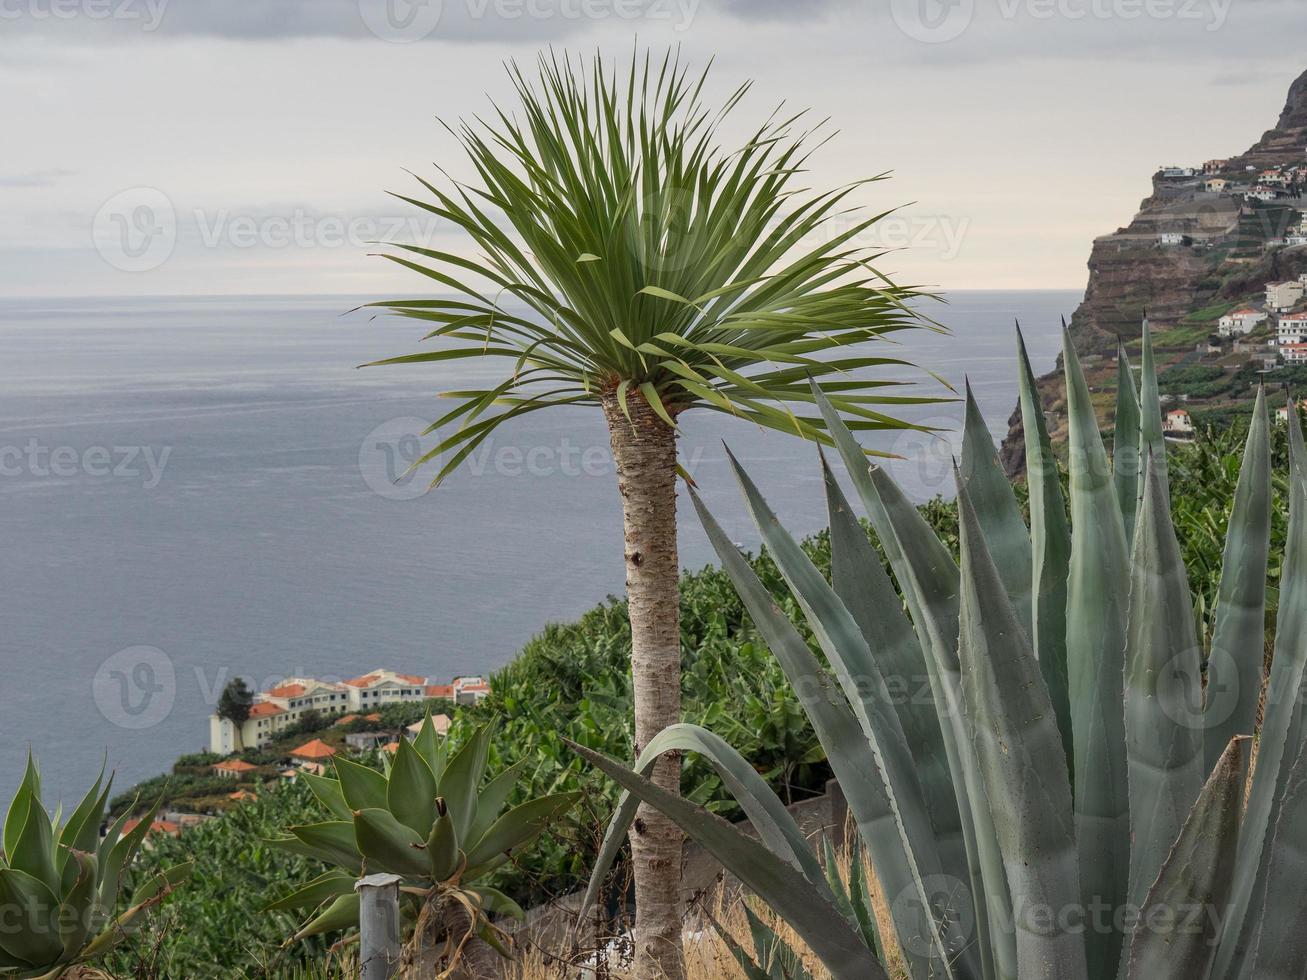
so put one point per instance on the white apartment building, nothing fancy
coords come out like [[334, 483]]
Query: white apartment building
[[1292, 328], [1294, 353], [278, 708], [462, 690], [1241, 321], [1285, 295]]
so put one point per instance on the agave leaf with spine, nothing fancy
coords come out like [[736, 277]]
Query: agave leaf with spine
[[1194, 880], [1126, 459], [1277, 745], [1050, 543], [1237, 657], [61, 884], [1097, 599], [1163, 691]]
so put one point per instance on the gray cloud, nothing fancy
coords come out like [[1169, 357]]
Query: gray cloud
[[888, 31], [401, 21], [35, 178]]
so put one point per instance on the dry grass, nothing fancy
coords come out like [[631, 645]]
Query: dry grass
[[707, 955]]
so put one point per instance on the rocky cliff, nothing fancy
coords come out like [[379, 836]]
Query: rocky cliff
[[1199, 238]]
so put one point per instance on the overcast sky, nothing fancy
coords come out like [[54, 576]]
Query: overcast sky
[[244, 146]]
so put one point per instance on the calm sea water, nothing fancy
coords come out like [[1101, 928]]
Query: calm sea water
[[192, 489]]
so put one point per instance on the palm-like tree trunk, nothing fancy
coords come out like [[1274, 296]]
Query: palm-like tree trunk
[[442, 924], [644, 448]]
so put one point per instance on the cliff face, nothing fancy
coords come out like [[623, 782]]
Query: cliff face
[[1191, 244], [1288, 136]]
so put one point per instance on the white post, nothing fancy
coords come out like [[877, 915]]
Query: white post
[[379, 935]]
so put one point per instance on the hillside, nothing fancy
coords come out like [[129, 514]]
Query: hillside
[[1206, 242]]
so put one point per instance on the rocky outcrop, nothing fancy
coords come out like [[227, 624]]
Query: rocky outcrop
[[1287, 139]]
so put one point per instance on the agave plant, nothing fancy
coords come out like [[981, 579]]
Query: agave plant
[[60, 881], [1066, 799], [428, 817]]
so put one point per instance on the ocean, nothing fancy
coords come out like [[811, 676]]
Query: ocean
[[197, 488]]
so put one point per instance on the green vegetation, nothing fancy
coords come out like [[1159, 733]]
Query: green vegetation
[[1183, 336], [61, 882], [1068, 756], [216, 925], [1207, 315]]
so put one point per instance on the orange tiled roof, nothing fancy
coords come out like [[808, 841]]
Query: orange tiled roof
[[372, 717], [316, 749], [242, 794], [347, 719], [264, 708], [288, 691], [441, 691], [157, 827], [411, 679], [390, 747], [367, 681], [234, 765]]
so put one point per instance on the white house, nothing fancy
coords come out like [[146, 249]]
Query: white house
[[1261, 193], [1240, 321], [1284, 295], [1170, 238], [1282, 414], [1177, 172], [1216, 185], [1178, 424], [1292, 328]]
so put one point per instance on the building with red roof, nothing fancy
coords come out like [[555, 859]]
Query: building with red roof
[[233, 768], [314, 750], [156, 827]]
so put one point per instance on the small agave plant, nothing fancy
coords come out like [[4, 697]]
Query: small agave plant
[[428, 817], [1067, 798], [60, 882]]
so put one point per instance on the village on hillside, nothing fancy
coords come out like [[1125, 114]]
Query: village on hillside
[[298, 726], [286, 705], [1238, 230]]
